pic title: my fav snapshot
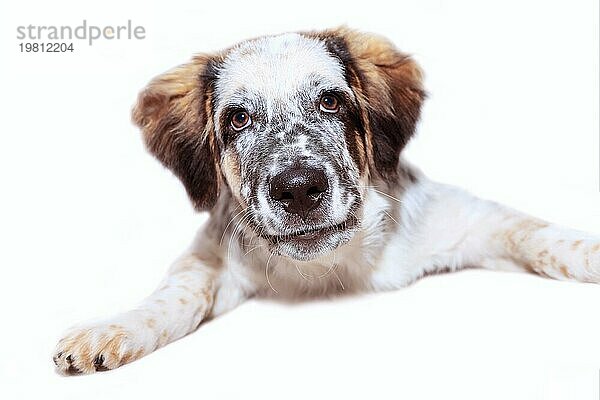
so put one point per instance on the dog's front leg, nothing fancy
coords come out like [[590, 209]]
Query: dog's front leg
[[451, 229], [497, 237], [176, 308], [543, 248]]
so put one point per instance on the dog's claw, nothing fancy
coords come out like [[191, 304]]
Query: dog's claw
[[98, 363], [98, 360]]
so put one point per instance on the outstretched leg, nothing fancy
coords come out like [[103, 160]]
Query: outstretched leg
[[545, 249], [451, 229], [176, 308]]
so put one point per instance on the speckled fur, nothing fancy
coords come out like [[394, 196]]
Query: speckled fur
[[406, 225]]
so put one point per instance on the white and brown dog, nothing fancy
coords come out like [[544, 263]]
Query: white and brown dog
[[293, 144]]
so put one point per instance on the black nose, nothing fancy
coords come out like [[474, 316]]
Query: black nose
[[299, 189]]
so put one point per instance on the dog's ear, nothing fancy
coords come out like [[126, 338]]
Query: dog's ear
[[389, 90], [174, 114]]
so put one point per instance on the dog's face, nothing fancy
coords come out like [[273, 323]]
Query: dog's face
[[296, 126], [287, 120]]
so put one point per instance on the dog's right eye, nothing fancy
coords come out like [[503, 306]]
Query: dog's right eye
[[240, 120]]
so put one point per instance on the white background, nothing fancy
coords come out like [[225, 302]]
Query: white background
[[89, 221]]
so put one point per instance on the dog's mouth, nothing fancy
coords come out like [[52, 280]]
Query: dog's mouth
[[309, 235]]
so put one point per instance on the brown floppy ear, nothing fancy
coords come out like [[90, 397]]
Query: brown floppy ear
[[388, 86], [174, 114]]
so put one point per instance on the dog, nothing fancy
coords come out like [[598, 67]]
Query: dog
[[294, 143]]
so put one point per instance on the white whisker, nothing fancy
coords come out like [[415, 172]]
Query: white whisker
[[302, 274], [267, 273], [252, 249], [383, 193], [233, 234], [392, 218], [230, 221], [339, 280], [333, 266]]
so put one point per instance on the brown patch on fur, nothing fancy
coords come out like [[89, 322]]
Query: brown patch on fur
[[576, 244], [388, 87], [175, 116], [529, 267], [208, 257], [188, 263], [565, 271], [151, 323], [532, 267], [183, 301], [357, 149], [515, 240], [596, 247], [201, 293], [139, 353], [232, 172], [521, 232], [111, 345], [205, 294], [129, 356], [536, 267], [163, 339]]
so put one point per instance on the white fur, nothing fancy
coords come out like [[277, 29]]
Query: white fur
[[441, 227], [404, 234], [275, 66]]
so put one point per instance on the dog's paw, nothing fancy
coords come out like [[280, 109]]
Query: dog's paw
[[97, 347]]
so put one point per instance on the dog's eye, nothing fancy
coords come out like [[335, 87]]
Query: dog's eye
[[240, 120], [329, 103]]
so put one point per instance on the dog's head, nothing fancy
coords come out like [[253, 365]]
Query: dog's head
[[295, 126]]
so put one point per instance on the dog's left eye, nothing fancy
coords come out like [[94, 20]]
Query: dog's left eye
[[329, 103], [240, 120]]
